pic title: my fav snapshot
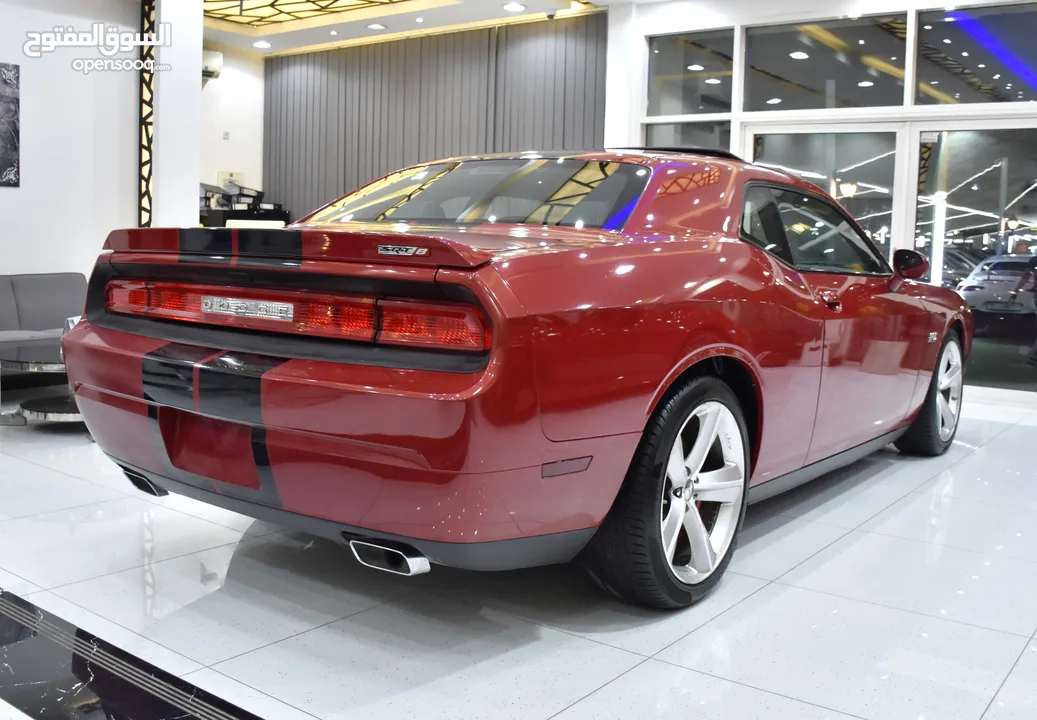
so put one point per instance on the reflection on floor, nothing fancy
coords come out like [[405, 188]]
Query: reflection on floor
[[898, 588], [999, 351]]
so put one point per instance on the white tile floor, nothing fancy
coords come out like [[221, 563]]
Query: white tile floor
[[898, 588]]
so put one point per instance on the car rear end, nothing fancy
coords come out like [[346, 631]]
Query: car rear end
[[360, 381], [989, 287]]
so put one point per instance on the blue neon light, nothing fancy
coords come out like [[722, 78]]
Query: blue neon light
[[981, 35]]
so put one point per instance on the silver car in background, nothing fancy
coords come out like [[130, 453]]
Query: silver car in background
[[989, 286]]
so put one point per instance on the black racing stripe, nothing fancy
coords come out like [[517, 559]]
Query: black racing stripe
[[270, 243], [207, 241], [268, 494], [229, 387], [168, 374]]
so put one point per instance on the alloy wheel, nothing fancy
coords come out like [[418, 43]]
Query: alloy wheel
[[702, 494], [948, 391]]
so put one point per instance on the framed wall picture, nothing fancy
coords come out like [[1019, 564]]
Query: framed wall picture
[[10, 134]]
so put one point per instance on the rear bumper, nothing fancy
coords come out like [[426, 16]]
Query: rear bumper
[[366, 451], [495, 555]]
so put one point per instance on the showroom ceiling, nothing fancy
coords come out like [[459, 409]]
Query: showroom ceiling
[[276, 27]]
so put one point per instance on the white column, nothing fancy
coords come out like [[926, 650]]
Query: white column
[[939, 231], [626, 75], [178, 118]]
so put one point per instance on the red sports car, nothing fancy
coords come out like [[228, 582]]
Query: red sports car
[[514, 360]]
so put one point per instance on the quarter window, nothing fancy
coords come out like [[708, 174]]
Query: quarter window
[[762, 224]]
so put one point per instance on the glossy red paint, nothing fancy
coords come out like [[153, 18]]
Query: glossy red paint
[[590, 330]]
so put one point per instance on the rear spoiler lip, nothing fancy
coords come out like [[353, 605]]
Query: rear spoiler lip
[[300, 244]]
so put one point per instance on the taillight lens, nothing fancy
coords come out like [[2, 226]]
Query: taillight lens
[[447, 326], [434, 325], [343, 318]]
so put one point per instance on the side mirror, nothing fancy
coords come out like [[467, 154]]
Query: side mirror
[[910, 264]]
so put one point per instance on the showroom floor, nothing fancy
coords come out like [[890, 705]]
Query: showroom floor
[[898, 588]]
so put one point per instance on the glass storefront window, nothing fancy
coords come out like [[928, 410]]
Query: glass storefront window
[[703, 135], [854, 168], [976, 220], [833, 64], [977, 55], [690, 73]]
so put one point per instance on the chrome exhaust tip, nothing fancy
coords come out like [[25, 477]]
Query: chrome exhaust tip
[[389, 557]]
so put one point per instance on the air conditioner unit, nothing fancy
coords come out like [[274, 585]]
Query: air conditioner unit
[[212, 63]]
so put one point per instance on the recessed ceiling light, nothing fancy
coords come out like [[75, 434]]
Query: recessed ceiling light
[[947, 40], [964, 54], [419, 20], [798, 55], [928, 27], [865, 83], [261, 44], [957, 95], [695, 68], [948, 19], [975, 187], [860, 42], [893, 58], [998, 76], [774, 101], [935, 82], [712, 81], [376, 26], [514, 7], [334, 32], [1008, 85], [981, 65]]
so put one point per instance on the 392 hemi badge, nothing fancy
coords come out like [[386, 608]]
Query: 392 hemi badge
[[242, 307], [407, 250]]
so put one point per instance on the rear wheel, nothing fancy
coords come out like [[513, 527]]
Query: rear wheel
[[937, 423], [672, 530]]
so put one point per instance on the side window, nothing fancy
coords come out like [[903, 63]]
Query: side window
[[821, 239], [762, 224]]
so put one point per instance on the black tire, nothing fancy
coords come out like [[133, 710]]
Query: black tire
[[923, 435], [626, 556]]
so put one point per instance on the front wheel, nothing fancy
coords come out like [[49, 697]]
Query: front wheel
[[671, 532], [937, 423]]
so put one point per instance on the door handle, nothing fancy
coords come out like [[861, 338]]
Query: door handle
[[831, 300]]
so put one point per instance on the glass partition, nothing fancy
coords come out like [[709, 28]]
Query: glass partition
[[690, 73], [832, 64], [706, 135]]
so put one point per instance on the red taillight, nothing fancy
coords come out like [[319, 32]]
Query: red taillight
[[343, 318], [458, 327], [399, 322]]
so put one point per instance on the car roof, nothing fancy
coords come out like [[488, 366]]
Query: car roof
[[653, 157]]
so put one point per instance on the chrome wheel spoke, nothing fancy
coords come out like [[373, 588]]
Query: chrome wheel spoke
[[723, 485], [672, 524], [952, 378], [703, 557], [676, 470], [709, 426]]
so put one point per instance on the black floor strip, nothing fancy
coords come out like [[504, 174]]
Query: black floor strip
[[52, 669]]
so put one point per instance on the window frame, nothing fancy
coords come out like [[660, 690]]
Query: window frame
[[820, 196]]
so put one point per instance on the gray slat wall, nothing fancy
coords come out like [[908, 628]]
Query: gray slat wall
[[335, 120]]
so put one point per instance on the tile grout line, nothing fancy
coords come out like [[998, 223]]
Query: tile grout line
[[264, 694], [759, 689], [600, 687], [1007, 675], [66, 474]]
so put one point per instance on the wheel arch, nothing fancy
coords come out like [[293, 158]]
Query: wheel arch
[[733, 367]]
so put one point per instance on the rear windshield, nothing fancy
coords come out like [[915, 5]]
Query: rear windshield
[[539, 191], [1006, 267]]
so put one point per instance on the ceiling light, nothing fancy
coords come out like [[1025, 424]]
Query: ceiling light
[[935, 82], [928, 27], [695, 68], [376, 26], [893, 58], [860, 42], [334, 32], [419, 20], [981, 65], [957, 96], [947, 40], [514, 7], [774, 101], [998, 76], [798, 55], [261, 44], [865, 83], [975, 187], [848, 189], [964, 54], [948, 19], [712, 81], [1008, 85]]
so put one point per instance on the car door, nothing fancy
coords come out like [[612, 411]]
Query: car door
[[873, 335]]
